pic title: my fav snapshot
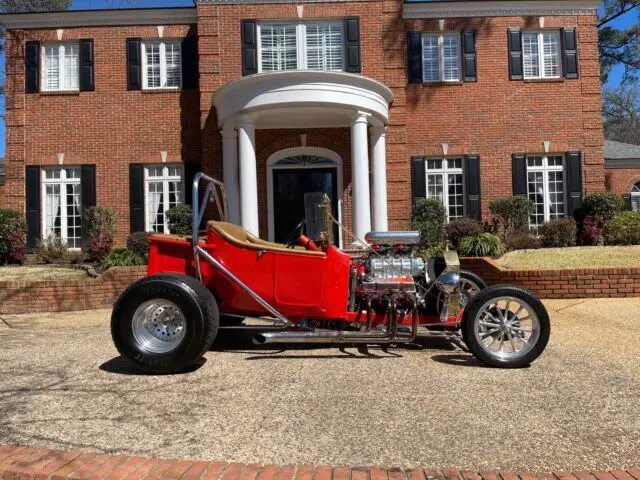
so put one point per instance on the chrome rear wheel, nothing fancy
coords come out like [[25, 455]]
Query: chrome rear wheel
[[158, 326]]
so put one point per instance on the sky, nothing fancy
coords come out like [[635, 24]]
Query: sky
[[614, 79]]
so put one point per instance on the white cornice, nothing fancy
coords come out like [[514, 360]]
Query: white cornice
[[87, 18], [498, 8]]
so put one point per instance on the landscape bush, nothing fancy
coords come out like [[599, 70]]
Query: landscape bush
[[512, 212], [624, 229], [558, 233], [12, 236], [122, 257], [590, 233], [179, 218], [602, 206], [463, 227], [138, 242], [522, 239], [482, 245], [429, 217], [100, 230], [52, 250]]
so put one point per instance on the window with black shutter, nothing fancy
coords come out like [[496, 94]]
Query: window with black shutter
[[87, 80], [134, 64], [31, 67], [32, 175]]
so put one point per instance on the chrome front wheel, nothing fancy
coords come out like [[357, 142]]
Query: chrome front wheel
[[506, 326]]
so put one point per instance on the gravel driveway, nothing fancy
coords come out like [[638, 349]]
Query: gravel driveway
[[62, 385]]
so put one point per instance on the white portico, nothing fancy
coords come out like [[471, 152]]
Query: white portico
[[305, 99]]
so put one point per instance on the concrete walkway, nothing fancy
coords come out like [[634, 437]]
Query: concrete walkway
[[578, 407]]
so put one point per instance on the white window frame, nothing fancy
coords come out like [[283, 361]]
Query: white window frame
[[165, 178], [163, 64], [541, 75], [61, 53], [441, 36], [301, 39], [635, 197], [445, 171], [546, 169], [62, 182]]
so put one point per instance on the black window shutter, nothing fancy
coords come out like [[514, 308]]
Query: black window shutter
[[574, 180], [190, 170], [469, 55], [414, 57], [570, 53], [249, 47], [33, 207], [136, 198], [86, 66], [190, 62], [418, 179], [519, 174], [88, 197], [472, 184], [352, 44], [31, 64], [134, 64], [515, 55]]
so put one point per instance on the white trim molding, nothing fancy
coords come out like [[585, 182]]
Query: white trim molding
[[498, 8], [87, 18]]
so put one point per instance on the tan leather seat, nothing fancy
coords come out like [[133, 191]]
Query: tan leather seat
[[237, 235]]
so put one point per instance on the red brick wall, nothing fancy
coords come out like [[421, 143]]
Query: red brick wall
[[67, 295], [561, 283], [494, 117], [110, 127], [621, 180]]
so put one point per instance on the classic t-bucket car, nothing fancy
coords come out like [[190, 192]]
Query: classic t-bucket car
[[313, 292]]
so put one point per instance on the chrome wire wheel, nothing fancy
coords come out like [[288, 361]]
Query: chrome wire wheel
[[507, 328], [158, 326]]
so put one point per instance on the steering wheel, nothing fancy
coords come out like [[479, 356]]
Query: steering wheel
[[294, 236]]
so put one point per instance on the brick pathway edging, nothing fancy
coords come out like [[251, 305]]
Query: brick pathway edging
[[23, 463]]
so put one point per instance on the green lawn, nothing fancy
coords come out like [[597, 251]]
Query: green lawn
[[13, 273], [575, 257]]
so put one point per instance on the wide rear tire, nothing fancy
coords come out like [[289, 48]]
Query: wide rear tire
[[506, 326], [164, 323]]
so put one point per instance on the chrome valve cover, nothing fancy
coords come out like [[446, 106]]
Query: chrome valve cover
[[394, 266]]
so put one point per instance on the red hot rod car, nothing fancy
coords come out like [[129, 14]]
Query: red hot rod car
[[313, 292]]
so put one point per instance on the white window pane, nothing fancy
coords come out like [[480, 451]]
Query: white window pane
[[534, 161], [554, 161], [173, 61], [74, 216], [52, 67], [71, 66], [551, 50], [455, 196], [164, 191], [535, 189], [430, 58], [435, 186], [450, 52], [324, 46], [152, 57], [53, 213], [278, 47], [434, 164], [454, 163], [635, 202], [556, 195], [530, 55]]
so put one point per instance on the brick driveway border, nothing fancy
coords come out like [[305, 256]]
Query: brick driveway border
[[22, 463]]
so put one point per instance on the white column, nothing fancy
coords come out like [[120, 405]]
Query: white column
[[379, 181], [361, 208], [230, 171], [248, 175]]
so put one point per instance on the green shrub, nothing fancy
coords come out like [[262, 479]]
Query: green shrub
[[429, 217], [558, 233], [138, 242], [122, 257], [179, 218], [624, 229], [601, 206], [75, 257], [12, 236], [100, 230], [483, 245], [512, 213], [51, 250], [522, 239], [463, 227]]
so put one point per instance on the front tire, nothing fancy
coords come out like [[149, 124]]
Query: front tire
[[164, 323], [506, 326]]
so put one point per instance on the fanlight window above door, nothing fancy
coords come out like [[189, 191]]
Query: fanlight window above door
[[305, 160]]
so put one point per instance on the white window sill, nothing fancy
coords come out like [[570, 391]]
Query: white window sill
[[60, 92]]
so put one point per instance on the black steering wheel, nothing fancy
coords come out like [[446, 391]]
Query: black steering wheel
[[294, 236]]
